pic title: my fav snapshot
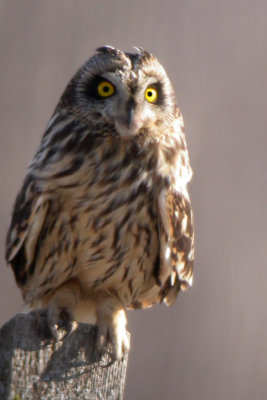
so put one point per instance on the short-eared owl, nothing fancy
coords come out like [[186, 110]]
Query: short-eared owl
[[103, 221]]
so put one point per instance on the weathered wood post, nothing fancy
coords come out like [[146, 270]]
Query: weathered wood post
[[35, 367]]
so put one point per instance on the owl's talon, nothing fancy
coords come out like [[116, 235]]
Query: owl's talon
[[112, 333], [101, 343], [61, 323], [54, 331]]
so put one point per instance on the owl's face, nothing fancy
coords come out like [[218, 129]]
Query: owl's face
[[131, 92]]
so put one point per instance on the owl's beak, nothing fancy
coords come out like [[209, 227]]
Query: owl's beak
[[130, 109], [129, 124]]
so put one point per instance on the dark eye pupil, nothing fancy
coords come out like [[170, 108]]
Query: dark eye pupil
[[149, 94], [105, 89]]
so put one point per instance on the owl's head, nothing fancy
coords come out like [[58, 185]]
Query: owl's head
[[130, 91]]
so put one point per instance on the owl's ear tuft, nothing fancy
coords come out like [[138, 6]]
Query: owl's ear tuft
[[109, 50], [139, 50], [144, 54], [105, 49]]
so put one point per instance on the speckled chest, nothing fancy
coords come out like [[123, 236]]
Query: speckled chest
[[103, 221], [114, 213]]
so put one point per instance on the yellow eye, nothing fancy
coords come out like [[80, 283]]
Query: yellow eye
[[151, 94], [105, 89]]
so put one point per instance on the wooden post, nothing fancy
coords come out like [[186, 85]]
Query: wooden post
[[33, 366]]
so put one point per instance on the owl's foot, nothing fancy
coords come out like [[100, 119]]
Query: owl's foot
[[60, 309], [111, 324], [60, 322]]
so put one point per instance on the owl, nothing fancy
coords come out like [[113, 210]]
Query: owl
[[103, 221]]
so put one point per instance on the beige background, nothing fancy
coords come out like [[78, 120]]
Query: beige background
[[212, 343]]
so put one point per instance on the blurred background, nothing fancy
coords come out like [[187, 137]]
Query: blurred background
[[212, 344]]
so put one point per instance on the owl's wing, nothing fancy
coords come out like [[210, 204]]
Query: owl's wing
[[177, 242], [30, 210]]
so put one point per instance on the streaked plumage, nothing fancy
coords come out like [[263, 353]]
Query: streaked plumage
[[103, 221]]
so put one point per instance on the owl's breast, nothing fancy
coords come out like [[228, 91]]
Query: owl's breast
[[102, 227], [118, 234]]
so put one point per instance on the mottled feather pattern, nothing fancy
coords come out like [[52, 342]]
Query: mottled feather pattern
[[104, 210]]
